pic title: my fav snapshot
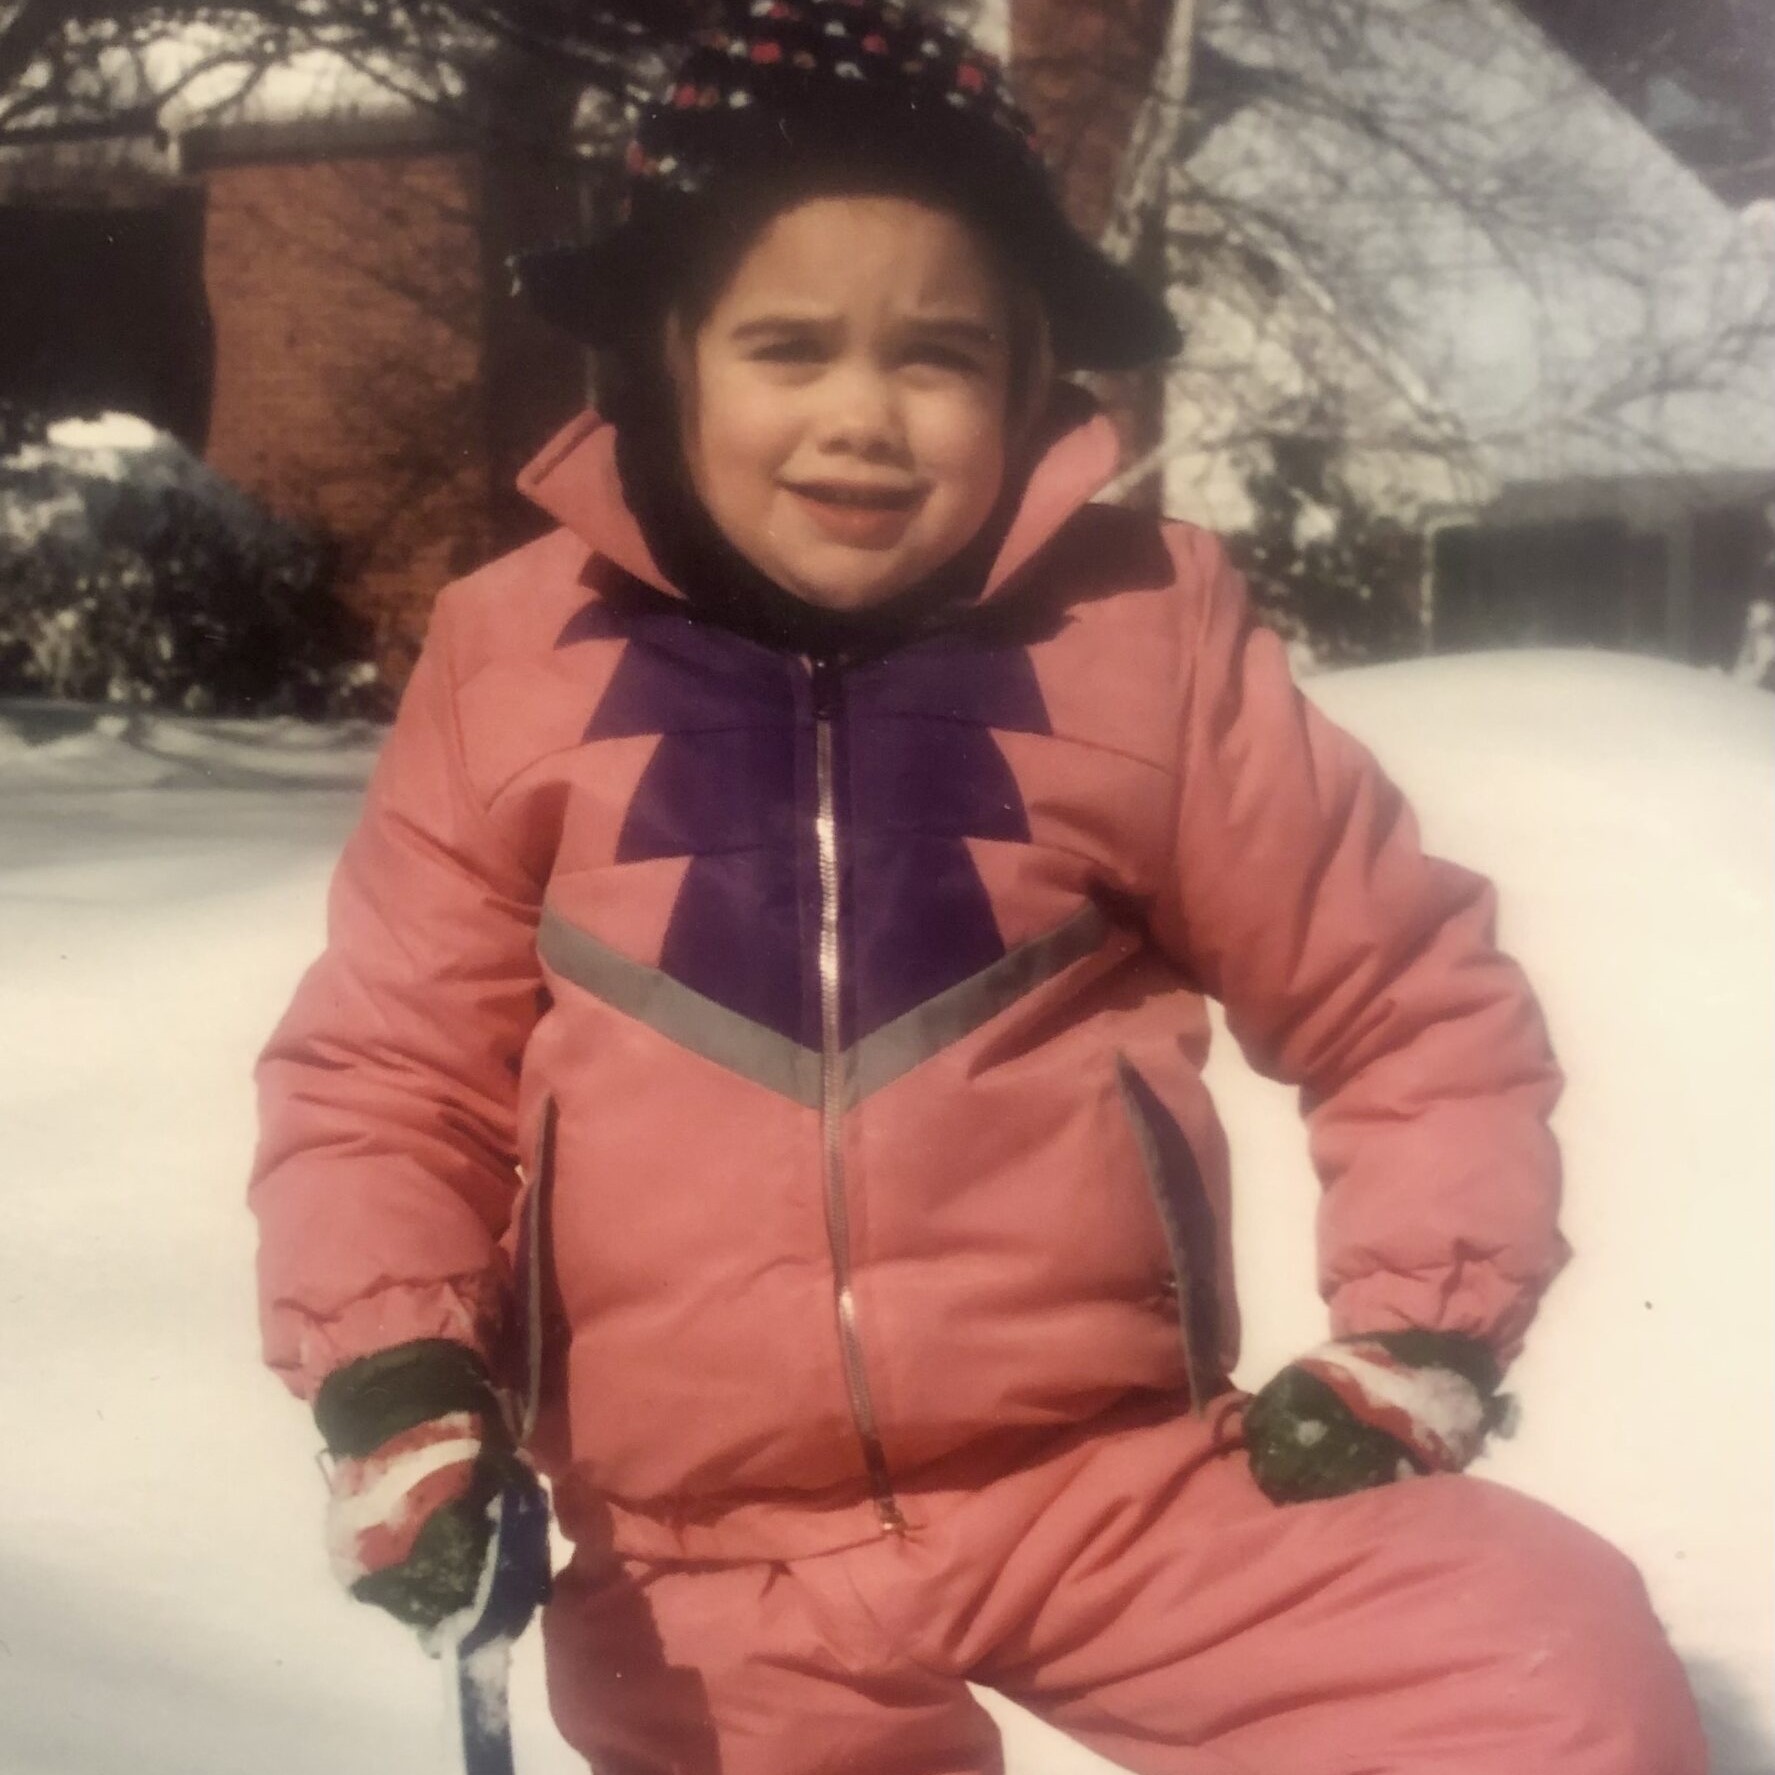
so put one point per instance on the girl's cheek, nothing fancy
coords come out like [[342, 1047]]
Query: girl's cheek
[[968, 435], [754, 420]]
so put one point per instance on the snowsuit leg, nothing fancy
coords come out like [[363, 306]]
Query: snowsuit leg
[[657, 1669], [1139, 1592], [1444, 1626]]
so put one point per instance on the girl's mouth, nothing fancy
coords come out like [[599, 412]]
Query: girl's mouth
[[857, 513]]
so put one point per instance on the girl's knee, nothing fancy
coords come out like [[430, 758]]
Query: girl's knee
[[1579, 1647]]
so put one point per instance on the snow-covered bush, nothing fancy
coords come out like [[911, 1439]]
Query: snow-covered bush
[[131, 573], [1337, 582]]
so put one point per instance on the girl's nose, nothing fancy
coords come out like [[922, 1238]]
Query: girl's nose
[[860, 413]]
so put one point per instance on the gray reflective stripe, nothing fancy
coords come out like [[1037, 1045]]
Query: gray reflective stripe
[[927, 1029], [685, 1016], [680, 1013]]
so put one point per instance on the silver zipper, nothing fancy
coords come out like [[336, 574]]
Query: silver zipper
[[838, 1235]]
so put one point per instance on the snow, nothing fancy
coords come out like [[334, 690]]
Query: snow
[[485, 1674], [1447, 1411], [1314, 523], [25, 522], [219, 76], [109, 431], [165, 1604]]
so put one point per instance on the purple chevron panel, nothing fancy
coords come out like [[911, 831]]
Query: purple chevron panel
[[736, 936], [721, 789], [918, 921], [679, 676], [731, 786], [922, 774], [713, 791], [591, 622], [913, 774], [954, 679]]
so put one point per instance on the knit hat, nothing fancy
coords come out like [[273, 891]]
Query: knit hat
[[799, 96]]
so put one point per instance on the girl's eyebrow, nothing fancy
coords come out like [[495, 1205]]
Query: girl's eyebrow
[[959, 327], [781, 322]]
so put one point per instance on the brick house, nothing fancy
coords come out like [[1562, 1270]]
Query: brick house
[[320, 308]]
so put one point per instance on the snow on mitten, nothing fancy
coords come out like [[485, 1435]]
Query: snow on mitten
[[420, 1452], [1362, 1411]]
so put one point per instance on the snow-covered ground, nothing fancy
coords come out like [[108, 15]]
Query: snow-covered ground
[[164, 1602]]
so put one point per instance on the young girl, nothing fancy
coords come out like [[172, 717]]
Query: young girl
[[788, 895]]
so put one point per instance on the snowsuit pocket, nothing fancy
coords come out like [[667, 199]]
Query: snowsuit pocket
[[529, 1281], [1186, 1220]]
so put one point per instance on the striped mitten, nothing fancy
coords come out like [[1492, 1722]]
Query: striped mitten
[[1362, 1411], [420, 1451]]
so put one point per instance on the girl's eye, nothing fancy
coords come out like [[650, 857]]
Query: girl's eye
[[789, 351], [945, 357]]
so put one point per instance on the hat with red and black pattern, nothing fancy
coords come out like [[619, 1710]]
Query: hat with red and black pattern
[[793, 97]]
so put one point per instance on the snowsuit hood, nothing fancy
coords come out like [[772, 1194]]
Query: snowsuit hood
[[575, 479]]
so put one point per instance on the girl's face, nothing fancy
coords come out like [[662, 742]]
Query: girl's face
[[845, 402]]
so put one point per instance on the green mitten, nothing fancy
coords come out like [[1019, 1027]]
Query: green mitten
[[1363, 1411], [420, 1452]]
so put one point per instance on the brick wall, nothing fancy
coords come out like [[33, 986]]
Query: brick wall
[[347, 297], [1084, 69]]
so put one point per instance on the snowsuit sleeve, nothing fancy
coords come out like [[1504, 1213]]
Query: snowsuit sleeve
[[1356, 967], [386, 1168]]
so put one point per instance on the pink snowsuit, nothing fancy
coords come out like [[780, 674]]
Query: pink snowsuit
[[836, 1033]]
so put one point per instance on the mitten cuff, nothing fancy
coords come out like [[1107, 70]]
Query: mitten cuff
[[1431, 1407], [368, 1402]]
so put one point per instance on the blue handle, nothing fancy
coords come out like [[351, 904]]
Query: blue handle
[[514, 1584]]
